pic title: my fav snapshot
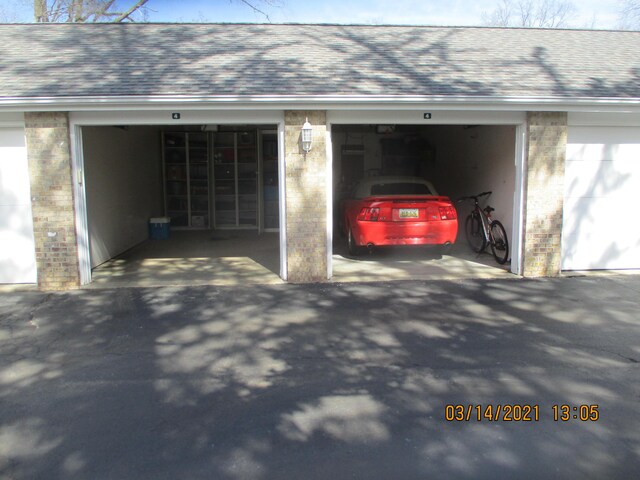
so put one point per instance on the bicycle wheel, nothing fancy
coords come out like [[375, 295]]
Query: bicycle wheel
[[499, 242], [475, 235]]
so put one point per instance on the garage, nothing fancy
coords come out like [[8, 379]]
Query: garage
[[458, 159], [602, 181], [449, 104], [180, 204], [17, 245], [227, 235]]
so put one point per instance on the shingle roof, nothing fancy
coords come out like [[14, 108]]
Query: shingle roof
[[246, 60]]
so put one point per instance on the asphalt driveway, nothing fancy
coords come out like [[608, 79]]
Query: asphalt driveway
[[323, 381]]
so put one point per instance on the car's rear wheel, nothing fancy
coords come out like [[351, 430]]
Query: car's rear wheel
[[351, 244]]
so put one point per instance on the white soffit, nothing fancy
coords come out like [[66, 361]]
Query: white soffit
[[180, 115], [608, 119], [425, 116], [11, 119]]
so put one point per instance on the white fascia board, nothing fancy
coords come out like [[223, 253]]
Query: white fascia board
[[11, 119], [426, 116], [324, 102], [612, 119], [187, 116]]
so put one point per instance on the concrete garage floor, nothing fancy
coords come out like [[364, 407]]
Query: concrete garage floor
[[196, 257], [228, 258], [414, 263]]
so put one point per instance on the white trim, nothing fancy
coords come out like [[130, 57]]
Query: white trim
[[79, 194], [417, 117], [12, 119], [518, 201], [282, 200], [602, 119], [329, 196], [317, 102], [188, 116]]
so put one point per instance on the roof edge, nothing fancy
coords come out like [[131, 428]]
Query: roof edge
[[293, 102], [310, 24]]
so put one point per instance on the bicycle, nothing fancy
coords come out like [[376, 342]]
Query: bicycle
[[481, 230]]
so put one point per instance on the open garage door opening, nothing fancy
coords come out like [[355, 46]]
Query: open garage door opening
[[182, 205], [456, 160]]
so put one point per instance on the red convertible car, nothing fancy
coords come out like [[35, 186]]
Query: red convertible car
[[398, 211]]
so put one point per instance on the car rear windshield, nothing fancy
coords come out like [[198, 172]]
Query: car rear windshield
[[405, 188]]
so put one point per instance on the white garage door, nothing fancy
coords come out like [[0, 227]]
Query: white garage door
[[601, 229], [17, 247]]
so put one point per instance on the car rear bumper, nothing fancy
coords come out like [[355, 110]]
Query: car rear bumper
[[406, 233]]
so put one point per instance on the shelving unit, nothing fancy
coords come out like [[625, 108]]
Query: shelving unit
[[186, 173], [198, 156], [226, 179], [235, 161]]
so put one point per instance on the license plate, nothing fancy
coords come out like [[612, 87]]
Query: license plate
[[408, 213]]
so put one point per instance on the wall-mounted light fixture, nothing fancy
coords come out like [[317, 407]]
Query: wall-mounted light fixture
[[307, 131]]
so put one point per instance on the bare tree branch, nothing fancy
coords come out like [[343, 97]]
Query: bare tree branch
[[128, 13], [80, 11], [253, 6], [102, 11], [630, 15], [531, 13]]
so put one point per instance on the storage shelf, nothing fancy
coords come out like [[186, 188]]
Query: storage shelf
[[235, 165], [186, 177]]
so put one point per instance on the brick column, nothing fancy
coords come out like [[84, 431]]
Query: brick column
[[546, 152], [49, 158], [306, 198]]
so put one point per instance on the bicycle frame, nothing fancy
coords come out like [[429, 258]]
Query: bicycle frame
[[485, 220]]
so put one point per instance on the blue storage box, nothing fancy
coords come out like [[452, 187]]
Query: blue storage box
[[159, 228]]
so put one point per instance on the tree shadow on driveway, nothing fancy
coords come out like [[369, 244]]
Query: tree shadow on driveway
[[317, 381]]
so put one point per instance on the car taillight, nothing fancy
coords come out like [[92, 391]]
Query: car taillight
[[369, 214], [447, 213]]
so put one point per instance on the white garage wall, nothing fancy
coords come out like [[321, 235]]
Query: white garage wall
[[602, 181], [17, 246], [475, 159], [124, 187]]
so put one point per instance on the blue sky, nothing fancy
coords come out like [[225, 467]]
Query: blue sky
[[598, 13], [590, 13]]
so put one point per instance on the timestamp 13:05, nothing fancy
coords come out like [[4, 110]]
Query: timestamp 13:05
[[584, 413], [518, 413]]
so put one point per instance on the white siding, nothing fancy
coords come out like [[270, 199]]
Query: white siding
[[602, 184], [17, 246]]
